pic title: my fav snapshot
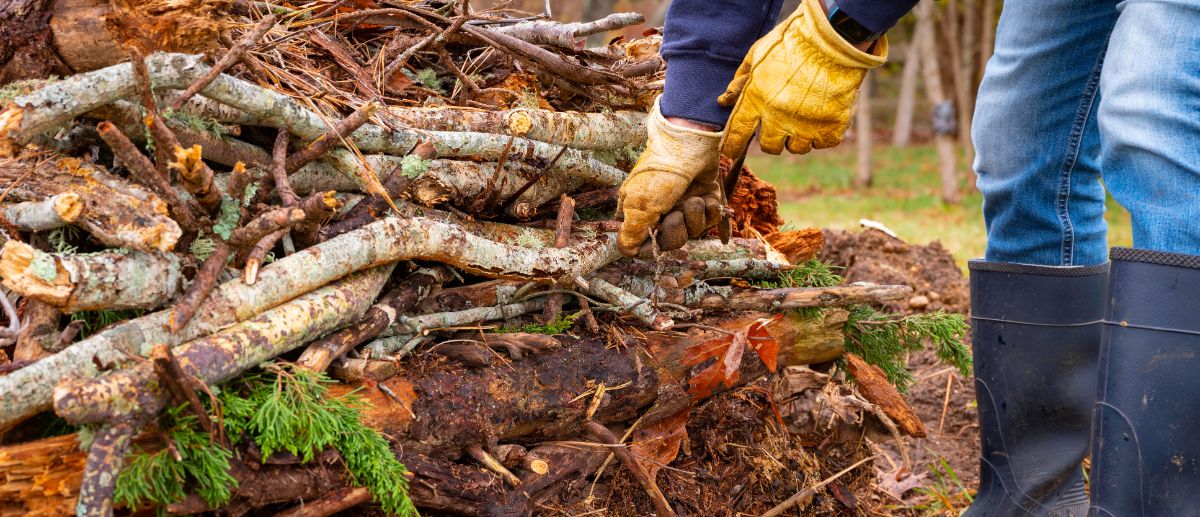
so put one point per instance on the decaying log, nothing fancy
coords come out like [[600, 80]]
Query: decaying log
[[50, 213], [92, 281], [874, 386], [116, 212], [588, 131], [532, 400], [27, 391], [223, 355]]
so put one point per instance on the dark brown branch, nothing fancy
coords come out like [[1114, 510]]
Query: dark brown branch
[[279, 170], [235, 53], [332, 137], [145, 173], [562, 235], [318, 208], [201, 286], [179, 384], [257, 254], [265, 224], [339, 500], [601, 434], [372, 208]]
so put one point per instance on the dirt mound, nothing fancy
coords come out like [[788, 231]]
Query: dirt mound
[[874, 256], [942, 398]]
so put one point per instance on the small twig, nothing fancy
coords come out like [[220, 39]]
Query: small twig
[[334, 502], [279, 170], [562, 235], [258, 254], [488, 461], [235, 53], [472, 89], [811, 491], [68, 334], [265, 224], [10, 312], [600, 433], [946, 400], [202, 285]]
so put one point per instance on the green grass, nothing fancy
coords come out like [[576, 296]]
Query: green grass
[[815, 191]]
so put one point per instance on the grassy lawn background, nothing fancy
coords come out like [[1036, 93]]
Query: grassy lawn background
[[815, 191]]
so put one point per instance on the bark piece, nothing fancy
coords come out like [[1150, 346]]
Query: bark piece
[[567, 35], [874, 386], [117, 213], [39, 334], [92, 281]]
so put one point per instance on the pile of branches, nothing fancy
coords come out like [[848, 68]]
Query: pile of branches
[[413, 199]]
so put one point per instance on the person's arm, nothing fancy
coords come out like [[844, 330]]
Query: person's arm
[[704, 41]]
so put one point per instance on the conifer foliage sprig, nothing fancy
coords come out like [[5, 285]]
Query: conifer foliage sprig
[[279, 408]]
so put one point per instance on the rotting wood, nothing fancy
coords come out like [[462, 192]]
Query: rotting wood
[[874, 386], [116, 212], [144, 170]]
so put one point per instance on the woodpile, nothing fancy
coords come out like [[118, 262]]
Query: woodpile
[[413, 198]]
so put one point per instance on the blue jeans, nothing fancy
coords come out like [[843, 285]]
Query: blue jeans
[[1080, 91]]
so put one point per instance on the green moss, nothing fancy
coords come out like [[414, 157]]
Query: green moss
[[195, 122], [563, 323], [227, 222], [429, 78], [412, 166]]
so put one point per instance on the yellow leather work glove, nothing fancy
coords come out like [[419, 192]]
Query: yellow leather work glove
[[674, 180], [800, 81]]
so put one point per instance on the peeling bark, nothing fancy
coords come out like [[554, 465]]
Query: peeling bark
[[567, 35], [116, 212], [92, 281]]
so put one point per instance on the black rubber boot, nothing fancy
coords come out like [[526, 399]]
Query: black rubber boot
[[1036, 338], [1146, 434]]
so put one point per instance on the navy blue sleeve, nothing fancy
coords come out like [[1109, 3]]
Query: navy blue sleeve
[[704, 41], [877, 15]]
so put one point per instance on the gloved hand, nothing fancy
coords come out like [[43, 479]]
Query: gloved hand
[[674, 180], [800, 81]]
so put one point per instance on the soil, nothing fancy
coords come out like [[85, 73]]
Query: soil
[[874, 256]]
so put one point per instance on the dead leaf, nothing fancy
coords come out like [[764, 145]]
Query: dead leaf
[[658, 444]]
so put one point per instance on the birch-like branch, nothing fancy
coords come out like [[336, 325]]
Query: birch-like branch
[[567, 35], [50, 213], [56, 104], [92, 281], [224, 355], [588, 131]]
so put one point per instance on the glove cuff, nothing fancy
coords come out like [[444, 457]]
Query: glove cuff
[[814, 25], [676, 149]]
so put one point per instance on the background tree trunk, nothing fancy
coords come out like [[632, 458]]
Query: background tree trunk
[[907, 97], [965, 88], [863, 136], [987, 34], [926, 31]]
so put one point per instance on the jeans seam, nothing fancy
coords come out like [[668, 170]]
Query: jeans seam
[[1074, 141]]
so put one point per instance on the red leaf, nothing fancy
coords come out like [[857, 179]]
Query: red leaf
[[702, 383], [763, 343]]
